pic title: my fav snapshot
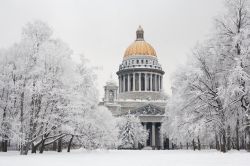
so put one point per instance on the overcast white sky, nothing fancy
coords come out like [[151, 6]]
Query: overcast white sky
[[102, 30]]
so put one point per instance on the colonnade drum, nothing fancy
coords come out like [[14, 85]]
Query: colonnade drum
[[140, 81], [141, 73]]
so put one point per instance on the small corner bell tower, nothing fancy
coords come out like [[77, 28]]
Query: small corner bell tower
[[110, 90]]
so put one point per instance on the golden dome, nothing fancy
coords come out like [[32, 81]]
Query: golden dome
[[140, 46]]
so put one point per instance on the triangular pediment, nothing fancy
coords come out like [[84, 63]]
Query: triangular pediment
[[148, 109]]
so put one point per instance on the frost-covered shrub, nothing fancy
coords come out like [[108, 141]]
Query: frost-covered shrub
[[98, 130], [131, 132]]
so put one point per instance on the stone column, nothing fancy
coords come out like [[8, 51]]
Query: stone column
[[161, 82], [145, 81], [155, 82], [158, 81], [128, 82], [151, 81], [145, 128], [123, 84], [133, 81], [161, 139], [139, 81], [119, 83], [153, 135], [145, 125]]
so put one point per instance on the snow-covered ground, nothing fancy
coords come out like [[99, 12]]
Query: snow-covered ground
[[128, 158]]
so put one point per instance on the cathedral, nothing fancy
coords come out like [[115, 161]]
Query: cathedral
[[140, 89]]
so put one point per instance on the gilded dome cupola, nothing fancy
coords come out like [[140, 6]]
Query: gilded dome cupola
[[139, 47]]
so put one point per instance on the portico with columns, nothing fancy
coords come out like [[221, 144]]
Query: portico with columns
[[151, 118]]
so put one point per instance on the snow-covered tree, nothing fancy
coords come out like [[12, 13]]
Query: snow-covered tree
[[131, 132], [212, 91], [98, 130], [46, 97]]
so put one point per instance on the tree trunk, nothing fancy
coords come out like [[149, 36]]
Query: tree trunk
[[4, 146], [4, 138], [42, 146], [242, 142], [167, 143], [228, 138], [25, 149], [33, 148], [24, 146], [220, 142], [210, 146], [237, 135], [217, 146], [223, 144], [233, 145], [59, 145], [5, 149], [247, 131], [187, 145], [248, 138], [199, 144], [181, 145], [193, 142], [70, 143]]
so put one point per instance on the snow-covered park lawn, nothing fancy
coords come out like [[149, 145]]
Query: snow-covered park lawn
[[128, 158]]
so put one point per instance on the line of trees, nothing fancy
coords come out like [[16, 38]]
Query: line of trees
[[211, 93], [48, 100]]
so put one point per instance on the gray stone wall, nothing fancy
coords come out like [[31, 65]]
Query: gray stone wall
[[122, 107], [142, 96], [131, 105]]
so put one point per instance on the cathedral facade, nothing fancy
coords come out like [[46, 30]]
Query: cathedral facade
[[140, 89]]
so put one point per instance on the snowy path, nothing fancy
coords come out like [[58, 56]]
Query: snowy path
[[128, 158]]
